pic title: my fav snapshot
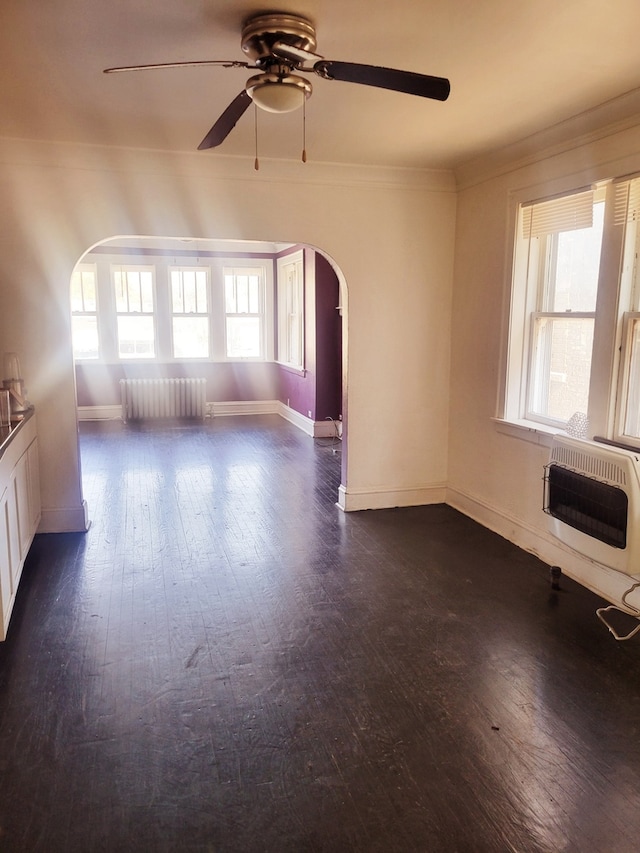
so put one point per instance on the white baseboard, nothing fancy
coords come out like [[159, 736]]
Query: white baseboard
[[99, 413], [243, 407], [354, 500], [315, 429], [604, 582], [65, 520]]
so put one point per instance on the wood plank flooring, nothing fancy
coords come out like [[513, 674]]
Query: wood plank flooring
[[226, 662]]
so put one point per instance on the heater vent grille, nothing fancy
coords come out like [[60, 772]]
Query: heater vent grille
[[589, 464], [587, 504]]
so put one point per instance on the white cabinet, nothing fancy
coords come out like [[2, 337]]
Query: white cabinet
[[19, 510]]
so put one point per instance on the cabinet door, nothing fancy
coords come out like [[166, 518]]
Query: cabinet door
[[21, 474], [6, 589], [13, 530], [33, 467]]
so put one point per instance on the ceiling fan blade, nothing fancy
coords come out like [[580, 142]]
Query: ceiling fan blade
[[227, 121], [409, 82], [225, 63]]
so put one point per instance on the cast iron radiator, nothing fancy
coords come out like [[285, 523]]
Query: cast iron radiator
[[163, 398]]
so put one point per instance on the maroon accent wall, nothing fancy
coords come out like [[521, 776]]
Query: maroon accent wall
[[328, 348], [319, 390]]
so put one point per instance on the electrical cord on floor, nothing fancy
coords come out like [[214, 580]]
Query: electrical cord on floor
[[601, 610], [335, 439]]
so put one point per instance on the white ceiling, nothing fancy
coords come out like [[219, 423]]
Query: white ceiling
[[515, 66]]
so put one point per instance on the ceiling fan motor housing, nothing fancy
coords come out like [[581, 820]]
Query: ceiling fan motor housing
[[261, 32], [277, 89]]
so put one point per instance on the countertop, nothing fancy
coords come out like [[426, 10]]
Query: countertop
[[8, 433]]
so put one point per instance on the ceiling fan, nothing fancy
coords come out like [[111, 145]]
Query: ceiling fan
[[280, 44]]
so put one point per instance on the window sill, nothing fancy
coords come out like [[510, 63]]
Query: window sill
[[528, 430], [288, 368]]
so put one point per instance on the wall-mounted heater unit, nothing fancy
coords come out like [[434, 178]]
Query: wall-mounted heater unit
[[592, 497]]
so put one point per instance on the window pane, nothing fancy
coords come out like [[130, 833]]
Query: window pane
[[135, 337], [201, 292], [134, 295], [254, 294], [89, 291], [177, 302], [243, 337], [189, 290], [83, 291], [229, 294], [190, 337], [84, 332], [146, 291], [573, 284], [561, 366], [76, 292], [121, 293], [242, 294]]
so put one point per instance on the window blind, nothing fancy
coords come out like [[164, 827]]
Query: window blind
[[627, 201], [566, 213]]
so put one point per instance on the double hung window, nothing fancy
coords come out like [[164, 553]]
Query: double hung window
[[134, 301], [244, 312], [563, 238], [291, 310], [190, 312], [574, 342], [84, 312]]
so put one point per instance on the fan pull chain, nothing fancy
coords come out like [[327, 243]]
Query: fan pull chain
[[256, 163], [304, 130]]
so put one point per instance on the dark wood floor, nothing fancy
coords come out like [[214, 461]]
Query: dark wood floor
[[226, 662]]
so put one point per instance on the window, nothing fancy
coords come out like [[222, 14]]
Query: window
[[84, 312], [183, 306], [244, 312], [627, 214], [291, 310], [134, 309], [569, 236], [190, 315], [574, 309]]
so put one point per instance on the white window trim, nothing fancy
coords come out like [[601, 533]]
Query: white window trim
[[128, 267], [219, 318], [283, 355], [161, 266], [90, 268], [172, 315], [513, 395]]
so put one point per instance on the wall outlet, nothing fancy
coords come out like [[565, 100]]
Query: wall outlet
[[309, 413]]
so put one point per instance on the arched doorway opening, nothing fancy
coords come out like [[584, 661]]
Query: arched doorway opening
[[261, 323]]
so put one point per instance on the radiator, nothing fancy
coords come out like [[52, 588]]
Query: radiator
[[592, 497], [163, 398]]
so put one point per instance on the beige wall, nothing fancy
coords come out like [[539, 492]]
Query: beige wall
[[390, 234], [496, 477]]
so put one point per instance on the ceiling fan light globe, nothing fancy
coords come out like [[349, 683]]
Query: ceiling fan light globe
[[278, 94]]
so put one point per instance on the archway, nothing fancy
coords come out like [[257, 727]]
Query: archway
[[308, 391]]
